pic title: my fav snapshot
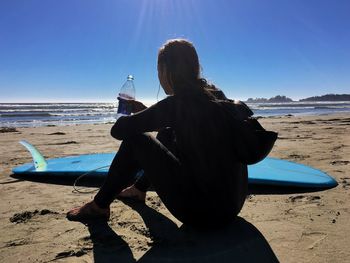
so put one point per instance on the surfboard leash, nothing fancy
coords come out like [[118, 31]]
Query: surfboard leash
[[76, 190]]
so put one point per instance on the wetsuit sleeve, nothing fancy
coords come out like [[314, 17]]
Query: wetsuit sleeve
[[159, 115]]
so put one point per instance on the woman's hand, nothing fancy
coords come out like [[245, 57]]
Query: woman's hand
[[134, 105], [137, 106]]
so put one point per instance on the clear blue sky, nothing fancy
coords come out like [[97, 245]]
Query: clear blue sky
[[82, 50]]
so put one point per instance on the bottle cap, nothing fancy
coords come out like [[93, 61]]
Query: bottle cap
[[130, 77]]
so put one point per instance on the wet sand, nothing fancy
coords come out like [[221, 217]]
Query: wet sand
[[293, 226]]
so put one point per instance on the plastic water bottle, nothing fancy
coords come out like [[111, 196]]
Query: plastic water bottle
[[127, 92]]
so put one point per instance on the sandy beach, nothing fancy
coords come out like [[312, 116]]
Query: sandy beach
[[298, 227]]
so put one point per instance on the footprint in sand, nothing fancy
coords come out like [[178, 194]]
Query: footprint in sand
[[312, 239], [71, 253], [64, 143], [345, 181], [27, 215], [8, 129], [305, 199], [57, 133], [17, 242], [298, 156], [336, 148], [340, 162]]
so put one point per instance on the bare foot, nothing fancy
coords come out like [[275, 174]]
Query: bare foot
[[89, 211], [133, 193]]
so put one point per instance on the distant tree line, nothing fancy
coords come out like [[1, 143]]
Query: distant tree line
[[329, 97], [279, 98]]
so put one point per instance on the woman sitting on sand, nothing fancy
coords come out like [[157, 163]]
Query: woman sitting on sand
[[192, 164]]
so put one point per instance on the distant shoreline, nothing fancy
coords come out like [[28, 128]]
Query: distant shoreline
[[284, 99]]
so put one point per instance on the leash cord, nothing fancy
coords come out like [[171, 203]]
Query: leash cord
[[76, 190]]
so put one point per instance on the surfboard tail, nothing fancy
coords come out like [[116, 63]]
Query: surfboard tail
[[39, 161]]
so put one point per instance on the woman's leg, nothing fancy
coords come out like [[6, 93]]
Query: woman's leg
[[167, 137], [161, 167], [121, 174], [168, 178]]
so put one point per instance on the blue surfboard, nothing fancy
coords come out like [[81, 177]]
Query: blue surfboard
[[270, 171]]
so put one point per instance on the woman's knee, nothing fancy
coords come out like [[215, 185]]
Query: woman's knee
[[144, 146], [167, 137], [137, 140]]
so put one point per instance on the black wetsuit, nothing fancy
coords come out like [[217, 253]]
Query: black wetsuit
[[195, 173]]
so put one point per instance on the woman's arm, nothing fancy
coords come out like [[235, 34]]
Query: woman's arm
[[150, 119]]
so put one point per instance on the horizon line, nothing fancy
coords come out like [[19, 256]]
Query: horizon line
[[148, 101]]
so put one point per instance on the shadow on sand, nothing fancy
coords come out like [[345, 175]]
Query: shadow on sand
[[239, 241]]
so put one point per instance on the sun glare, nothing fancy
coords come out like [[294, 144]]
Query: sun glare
[[164, 19]]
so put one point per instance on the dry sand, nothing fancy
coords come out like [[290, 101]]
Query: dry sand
[[299, 227]]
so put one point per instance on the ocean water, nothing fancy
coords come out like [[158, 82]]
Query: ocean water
[[44, 114], [300, 108]]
